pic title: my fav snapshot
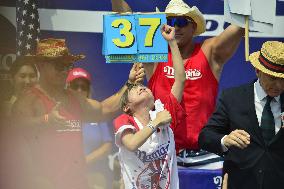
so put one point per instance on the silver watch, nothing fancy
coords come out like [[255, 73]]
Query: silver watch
[[150, 124]]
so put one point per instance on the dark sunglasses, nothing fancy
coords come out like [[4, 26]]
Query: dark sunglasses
[[76, 86], [178, 21], [60, 67]]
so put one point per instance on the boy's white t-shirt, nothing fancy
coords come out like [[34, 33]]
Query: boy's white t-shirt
[[153, 165]]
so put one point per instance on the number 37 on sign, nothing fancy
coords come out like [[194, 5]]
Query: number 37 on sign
[[134, 38]]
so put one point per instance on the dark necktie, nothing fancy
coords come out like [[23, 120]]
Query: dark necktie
[[267, 121]]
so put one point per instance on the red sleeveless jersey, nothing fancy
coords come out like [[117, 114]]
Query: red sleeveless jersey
[[58, 152], [199, 97]]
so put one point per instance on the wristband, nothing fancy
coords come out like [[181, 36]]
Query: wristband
[[151, 126], [128, 84]]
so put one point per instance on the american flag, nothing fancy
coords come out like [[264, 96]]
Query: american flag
[[28, 28]]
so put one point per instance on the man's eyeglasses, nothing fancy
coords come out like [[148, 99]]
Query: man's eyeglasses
[[76, 86], [60, 67], [178, 21]]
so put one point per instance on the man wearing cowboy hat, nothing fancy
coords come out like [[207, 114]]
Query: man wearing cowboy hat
[[50, 117], [247, 127], [203, 66]]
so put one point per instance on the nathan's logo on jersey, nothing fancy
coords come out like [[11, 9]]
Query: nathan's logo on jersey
[[169, 71], [159, 154], [191, 74]]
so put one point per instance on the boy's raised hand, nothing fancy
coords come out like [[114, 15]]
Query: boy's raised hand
[[168, 32]]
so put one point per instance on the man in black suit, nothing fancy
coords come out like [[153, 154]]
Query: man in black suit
[[247, 127]]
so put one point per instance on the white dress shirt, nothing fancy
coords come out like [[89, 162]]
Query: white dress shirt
[[259, 102]]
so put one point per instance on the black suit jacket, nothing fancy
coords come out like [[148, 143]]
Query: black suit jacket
[[260, 165]]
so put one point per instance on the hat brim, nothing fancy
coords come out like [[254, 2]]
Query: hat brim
[[195, 15], [65, 59], [255, 62], [69, 80], [26, 58]]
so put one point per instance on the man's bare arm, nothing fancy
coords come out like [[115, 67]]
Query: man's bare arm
[[221, 48], [110, 107], [120, 6]]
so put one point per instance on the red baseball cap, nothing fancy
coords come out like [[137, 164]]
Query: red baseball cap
[[78, 73]]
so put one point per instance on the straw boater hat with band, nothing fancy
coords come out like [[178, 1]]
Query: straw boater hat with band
[[270, 59], [52, 49], [180, 8]]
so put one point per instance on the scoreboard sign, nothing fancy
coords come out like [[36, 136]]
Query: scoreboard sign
[[134, 38]]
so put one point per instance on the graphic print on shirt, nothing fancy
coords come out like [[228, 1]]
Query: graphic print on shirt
[[156, 169], [191, 74], [72, 125]]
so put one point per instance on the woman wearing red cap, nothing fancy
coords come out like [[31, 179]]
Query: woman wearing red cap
[[97, 139]]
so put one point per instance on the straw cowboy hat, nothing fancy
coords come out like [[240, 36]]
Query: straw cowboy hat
[[270, 59], [180, 8], [55, 49]]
